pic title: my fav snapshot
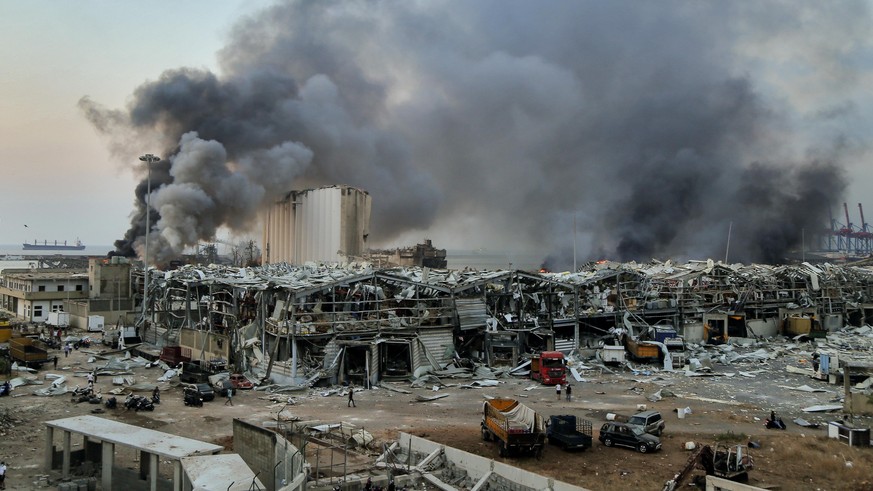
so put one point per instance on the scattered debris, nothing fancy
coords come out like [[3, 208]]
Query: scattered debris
[[823, 408], [805, 423], [429, 398]]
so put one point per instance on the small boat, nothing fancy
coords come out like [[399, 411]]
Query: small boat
[[53, 246], [12, 257]]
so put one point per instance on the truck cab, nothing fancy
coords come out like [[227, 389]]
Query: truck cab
[[549, 368]]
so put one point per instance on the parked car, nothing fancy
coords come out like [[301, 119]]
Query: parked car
[[236, 381], [205, 391], [239, 381], [649, 421], [221, 387], [628, 436]]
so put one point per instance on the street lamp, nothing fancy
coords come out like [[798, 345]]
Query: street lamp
[[149, 159]]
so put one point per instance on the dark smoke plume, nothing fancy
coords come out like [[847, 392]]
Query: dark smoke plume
[[497, 122]]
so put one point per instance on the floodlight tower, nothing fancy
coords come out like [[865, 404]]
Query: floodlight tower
[[149, 159]]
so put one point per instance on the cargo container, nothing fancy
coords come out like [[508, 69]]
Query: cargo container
[[58, 319], [95, 323]]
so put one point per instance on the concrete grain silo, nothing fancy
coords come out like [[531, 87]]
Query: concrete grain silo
[[322, 225]]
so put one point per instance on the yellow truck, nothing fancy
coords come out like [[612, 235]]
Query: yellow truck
[[5, 331], [28, 351], [516, 428], [641, 350]]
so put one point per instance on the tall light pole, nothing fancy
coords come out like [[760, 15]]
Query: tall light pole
[[149, 159], [574, 242]]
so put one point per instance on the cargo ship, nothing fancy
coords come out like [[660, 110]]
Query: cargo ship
[[53, 246]]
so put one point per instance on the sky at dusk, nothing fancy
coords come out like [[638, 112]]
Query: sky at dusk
[[654, 127], [59, 177]]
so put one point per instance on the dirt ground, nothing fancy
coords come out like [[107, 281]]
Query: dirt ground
[[722, 408]]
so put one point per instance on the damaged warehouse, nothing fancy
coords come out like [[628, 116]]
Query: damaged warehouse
[[330, 324]]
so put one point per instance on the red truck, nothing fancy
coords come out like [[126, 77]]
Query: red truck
[[548, 367]]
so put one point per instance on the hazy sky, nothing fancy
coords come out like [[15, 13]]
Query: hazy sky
[[477, 124], [58, 175]]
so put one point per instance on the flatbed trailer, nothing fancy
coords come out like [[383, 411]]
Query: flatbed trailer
[[569, 432]]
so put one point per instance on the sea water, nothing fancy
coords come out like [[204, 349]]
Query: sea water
[[17, 250]]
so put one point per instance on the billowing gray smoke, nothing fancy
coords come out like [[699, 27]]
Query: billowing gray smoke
[[495, 121]]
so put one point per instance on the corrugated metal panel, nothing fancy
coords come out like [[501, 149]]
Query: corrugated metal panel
[[471, 312], [564, 345], [437, 341]]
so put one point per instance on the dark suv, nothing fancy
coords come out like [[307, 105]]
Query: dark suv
[[628, 436], [648, 421], [205, 391]]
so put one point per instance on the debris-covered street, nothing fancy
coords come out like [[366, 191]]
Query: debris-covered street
[[727, 399]]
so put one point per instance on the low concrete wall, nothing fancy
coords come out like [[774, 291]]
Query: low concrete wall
[[718, 484], [861, 403], [278, 463], [477, 467], [256, 446]]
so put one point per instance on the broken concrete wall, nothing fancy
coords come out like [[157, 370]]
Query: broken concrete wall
[[478, 467], [693, 331], [861, 403], [714, 483], [764, 328], [263, 449], [205, 345]]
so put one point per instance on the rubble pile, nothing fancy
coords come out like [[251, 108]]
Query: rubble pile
[[8, 421]]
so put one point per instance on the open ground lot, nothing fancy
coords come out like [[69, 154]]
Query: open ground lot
[[722, 407]]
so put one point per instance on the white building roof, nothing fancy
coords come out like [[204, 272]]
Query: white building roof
[[151, 441]]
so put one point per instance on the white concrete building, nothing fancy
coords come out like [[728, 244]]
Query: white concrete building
[[326, 224], [31, 294]]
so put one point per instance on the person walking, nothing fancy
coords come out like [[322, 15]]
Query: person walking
[[569, 390], [558, 391], [229, 397], [55, 362], [351, 397], [2, 475]]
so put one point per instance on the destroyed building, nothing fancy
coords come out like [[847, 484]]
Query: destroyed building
[[327, 324], [423, 255]]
